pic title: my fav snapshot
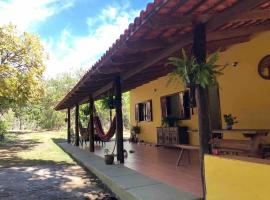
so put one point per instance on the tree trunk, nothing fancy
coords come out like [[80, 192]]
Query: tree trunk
[[68, 126], [20, 122]]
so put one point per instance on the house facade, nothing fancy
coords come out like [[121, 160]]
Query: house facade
[[242, 92], [136, 62]]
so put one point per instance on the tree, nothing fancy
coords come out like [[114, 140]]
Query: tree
[[21, 67], [54, 90]]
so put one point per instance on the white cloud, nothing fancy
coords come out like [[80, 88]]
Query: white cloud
[[72, 51], [26, 14]]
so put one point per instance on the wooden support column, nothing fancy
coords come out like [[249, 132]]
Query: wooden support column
[[199, 52], [119, 119], [91, 124], [77, 142], [68, 126]]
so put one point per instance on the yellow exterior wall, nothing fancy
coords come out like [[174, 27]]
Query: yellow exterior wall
[[243, 93], [236, 179], [154, 90]]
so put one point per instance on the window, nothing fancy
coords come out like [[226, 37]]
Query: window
[[143, 111], [176, 105]]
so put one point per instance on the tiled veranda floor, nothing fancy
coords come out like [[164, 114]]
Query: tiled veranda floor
[[160, 163]]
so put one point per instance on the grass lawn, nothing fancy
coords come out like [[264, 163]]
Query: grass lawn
[[32, 166], [34, 147], [46, 149]]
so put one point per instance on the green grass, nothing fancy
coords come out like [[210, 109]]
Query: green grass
[[46, 149], [10, 137], [30, 148]]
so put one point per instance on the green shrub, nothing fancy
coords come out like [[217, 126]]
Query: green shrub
[[3, 129]]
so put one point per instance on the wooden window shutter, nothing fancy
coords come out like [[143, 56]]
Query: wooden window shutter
[[149, 110], [163, 103], [137, 112], [184, 105]]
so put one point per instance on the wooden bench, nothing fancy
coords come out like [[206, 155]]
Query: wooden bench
[[187, 148], [233, 147]]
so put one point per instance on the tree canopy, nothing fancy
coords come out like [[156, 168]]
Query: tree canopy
[[22, 58]]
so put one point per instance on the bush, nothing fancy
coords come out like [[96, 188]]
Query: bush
[[3, 129]]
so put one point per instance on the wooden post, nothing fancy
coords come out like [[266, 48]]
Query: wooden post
[[199, 52], [77, 142], [68, 126], [119, 119], [91, 124]]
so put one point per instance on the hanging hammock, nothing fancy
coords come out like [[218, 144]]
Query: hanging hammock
[[105, 137]]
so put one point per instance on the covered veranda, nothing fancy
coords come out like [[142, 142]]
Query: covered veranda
[[159, 163], [140, 54]]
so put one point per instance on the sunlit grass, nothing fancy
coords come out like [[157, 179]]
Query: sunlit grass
[[44, 148]]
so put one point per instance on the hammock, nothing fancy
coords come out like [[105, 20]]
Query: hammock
[[105, 137]]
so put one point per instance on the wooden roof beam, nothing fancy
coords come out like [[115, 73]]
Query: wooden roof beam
[[212, 24], [220, 35], [146, 44], [255, 15], [127, 59], [240, 8], [166, 22]]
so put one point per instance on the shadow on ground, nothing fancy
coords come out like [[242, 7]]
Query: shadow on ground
[[41, 179]]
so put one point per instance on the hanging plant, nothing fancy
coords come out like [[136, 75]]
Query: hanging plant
[[108, 102], [192, 73]]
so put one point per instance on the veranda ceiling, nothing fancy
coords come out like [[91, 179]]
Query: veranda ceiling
[[160, 31]]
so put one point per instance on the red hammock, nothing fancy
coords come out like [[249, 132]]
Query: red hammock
[[105, 137]]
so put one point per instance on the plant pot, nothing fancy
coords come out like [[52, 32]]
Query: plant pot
[[229, 127], [109, 159]]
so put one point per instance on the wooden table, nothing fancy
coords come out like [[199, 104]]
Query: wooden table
[[255, 135], [187, 148]]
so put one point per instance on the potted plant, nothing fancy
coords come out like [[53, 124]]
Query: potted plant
[[135, 130], [169, 121], [193, 73], [108, 157], [229, 120]]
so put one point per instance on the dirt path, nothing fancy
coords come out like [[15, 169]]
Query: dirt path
[[32, 167]]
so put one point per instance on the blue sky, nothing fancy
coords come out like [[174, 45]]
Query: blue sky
[[75, 33]]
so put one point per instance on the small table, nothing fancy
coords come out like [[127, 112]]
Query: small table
[[255, 136], [186, 148]]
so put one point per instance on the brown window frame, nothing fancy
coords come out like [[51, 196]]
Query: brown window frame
[[144, 111], [184, 110]]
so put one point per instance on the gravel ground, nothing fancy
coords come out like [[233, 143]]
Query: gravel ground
[[39, 179]]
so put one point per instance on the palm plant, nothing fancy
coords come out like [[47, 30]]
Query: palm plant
[[193, 73]]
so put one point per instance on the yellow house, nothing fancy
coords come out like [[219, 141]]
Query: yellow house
[[243, 92], [136, 62]]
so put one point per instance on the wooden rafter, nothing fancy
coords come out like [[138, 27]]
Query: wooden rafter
[[243, 10], [146, 44], [212, 24], [255, 15], [232, 13], [166, 22], [134, 58]]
